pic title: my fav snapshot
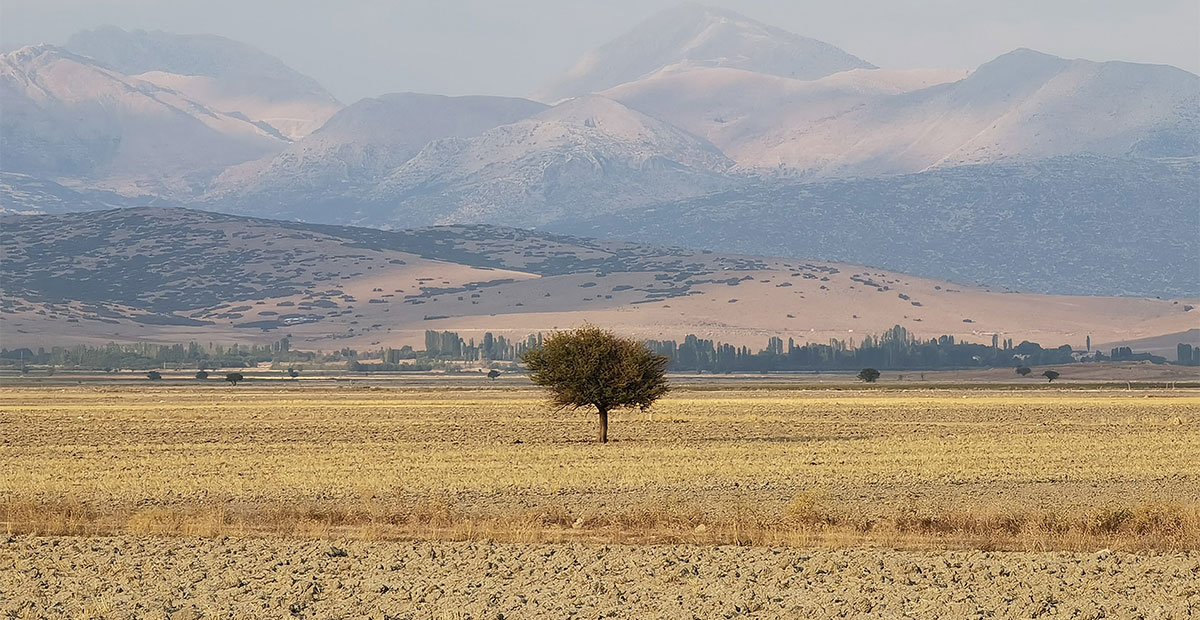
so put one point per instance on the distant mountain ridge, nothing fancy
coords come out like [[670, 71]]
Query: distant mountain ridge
[[694, 35], [355, 149], [66, 116], [730, 126], [589, 152], [1024, 105], [226, 75]]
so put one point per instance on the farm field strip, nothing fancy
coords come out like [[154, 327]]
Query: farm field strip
[[256, 577], [1014, 469]]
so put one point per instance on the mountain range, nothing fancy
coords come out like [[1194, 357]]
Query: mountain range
[[699, 126]]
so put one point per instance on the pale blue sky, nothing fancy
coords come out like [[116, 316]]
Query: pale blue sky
[[359, 48]]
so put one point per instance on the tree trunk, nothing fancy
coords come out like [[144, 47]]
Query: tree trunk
[[603, 436]]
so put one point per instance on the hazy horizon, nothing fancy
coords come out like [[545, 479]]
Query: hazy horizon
[[362, 49]]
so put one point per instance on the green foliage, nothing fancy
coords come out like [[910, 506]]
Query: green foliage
[[870, 375], [148, 356], [894, 349], [593, 367], [234, 377]]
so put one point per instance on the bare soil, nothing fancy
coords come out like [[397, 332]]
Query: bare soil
[[190, 578]]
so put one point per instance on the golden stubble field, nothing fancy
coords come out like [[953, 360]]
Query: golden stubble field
[[1037, 469]]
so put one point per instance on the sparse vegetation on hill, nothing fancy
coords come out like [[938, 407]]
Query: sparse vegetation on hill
[[1141, 251], [173, 275]]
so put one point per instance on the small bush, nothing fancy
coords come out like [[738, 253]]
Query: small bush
[[869, 375]]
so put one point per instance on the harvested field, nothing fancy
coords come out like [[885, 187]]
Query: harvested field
[[244, 578], [138, 577], [949, 468]]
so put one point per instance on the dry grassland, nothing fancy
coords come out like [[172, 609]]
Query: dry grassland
[[965, 468]]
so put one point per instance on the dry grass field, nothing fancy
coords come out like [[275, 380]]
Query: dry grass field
[[1037, 469], [469, 501]]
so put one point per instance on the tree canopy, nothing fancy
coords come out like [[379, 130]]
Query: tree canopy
[[870, 375], [593, 367]]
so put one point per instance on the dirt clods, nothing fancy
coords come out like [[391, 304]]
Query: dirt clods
[[233, 578]]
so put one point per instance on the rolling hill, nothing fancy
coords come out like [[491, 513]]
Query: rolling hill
[[175, 275], [1075, 225]]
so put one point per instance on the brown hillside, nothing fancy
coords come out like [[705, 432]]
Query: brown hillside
[[174, 275]]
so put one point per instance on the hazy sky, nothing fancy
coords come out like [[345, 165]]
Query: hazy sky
[[361, 48]]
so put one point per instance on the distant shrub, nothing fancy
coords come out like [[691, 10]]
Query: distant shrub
[[869, 375], [154, 375], [201, 374], [234, 377]]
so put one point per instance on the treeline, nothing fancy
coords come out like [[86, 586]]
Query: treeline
[[895, 349], [143, 356], [1187, 355], [450, 346], [445, 350]]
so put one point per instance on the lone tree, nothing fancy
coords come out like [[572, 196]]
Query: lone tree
[[154, 375], [1024, 371], [593, 367], [868, 374], [1051, 375], [234, 377], [492, 374]]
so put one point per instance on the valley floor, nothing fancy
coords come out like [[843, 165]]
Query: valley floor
[[199, 500]]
